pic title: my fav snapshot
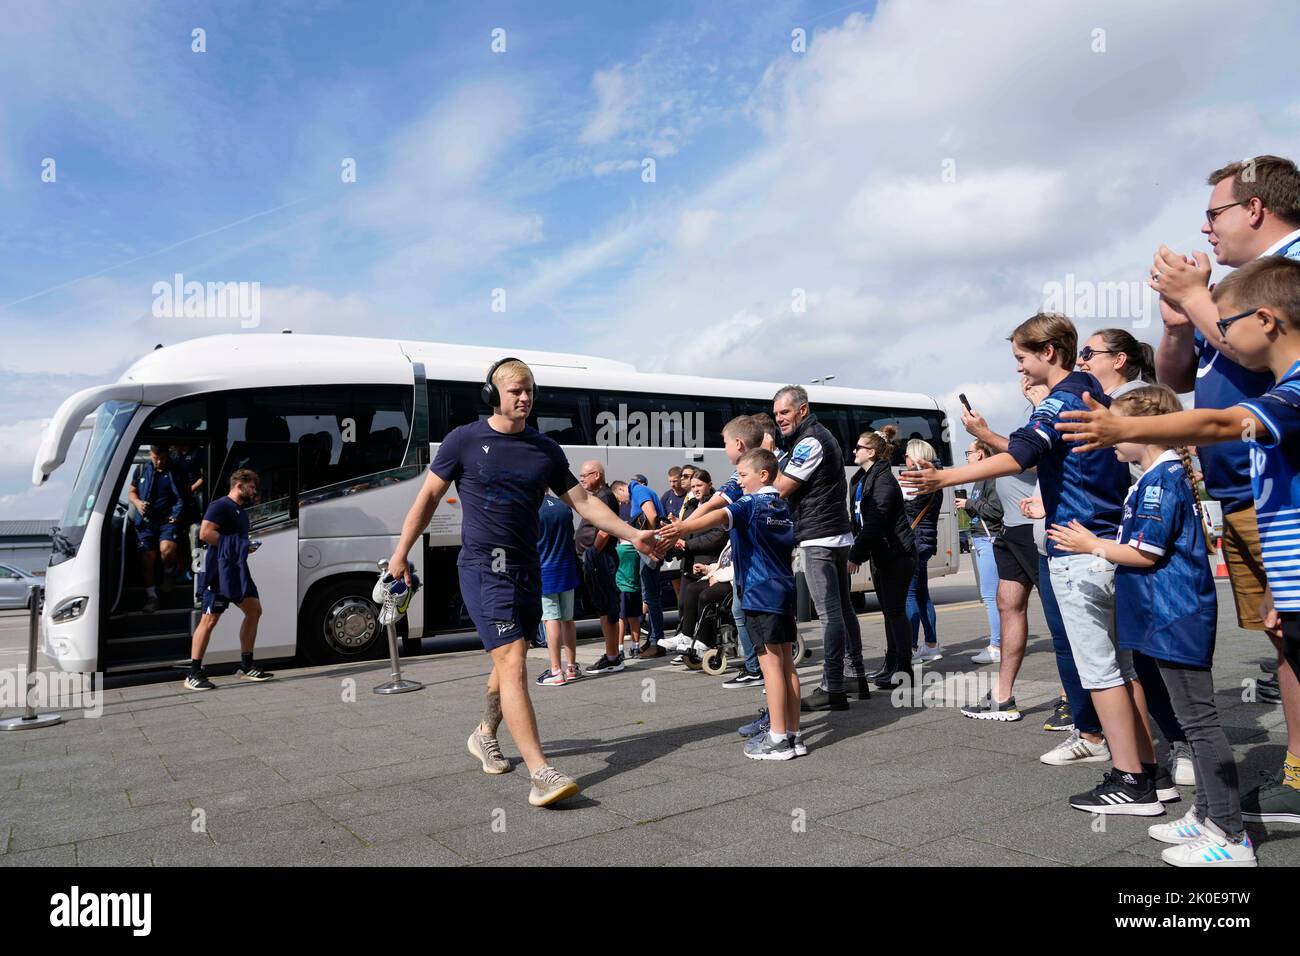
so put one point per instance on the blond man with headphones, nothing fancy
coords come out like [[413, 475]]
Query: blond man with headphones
[[502, 468]]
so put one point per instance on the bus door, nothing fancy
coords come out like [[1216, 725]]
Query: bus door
[[273, 528]]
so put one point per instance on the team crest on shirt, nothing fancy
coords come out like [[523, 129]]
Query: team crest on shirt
[[1151, 497], [801, 452], [1048, 408]]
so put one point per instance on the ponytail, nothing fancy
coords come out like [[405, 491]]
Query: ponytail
[[1141, 358]]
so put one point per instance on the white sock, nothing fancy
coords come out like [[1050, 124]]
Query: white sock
[[152, 592], [775, 737]]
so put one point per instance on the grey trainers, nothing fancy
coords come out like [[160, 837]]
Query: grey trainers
[[761, 747], [989, 709], [550, 786], [488, 751]]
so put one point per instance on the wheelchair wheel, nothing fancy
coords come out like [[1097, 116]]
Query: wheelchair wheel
[[800, 651], [692, 661], [714, 661]]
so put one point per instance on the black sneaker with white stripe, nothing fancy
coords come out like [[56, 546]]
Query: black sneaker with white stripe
[[1120, 792]]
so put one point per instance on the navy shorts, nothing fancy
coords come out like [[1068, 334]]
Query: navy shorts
[[629, 604], [505, 606], [149, 533], [214, 603], [598, 570]]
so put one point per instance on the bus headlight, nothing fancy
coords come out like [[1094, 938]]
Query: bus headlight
[[69, 610]]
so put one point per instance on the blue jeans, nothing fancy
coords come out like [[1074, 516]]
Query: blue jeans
[[1085, 715], [654, 600], [920, 609], [986, 567], [742, 632]]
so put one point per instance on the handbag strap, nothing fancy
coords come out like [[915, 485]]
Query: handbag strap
[[917, 520]]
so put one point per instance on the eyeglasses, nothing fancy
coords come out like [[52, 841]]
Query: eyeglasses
[[1213, 214], [1087, 353], [1223, 324], [862, 448], [969, 453]]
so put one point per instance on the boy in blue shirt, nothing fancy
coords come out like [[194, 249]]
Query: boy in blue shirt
[[762, 532], [1259, 308], [559, 580]]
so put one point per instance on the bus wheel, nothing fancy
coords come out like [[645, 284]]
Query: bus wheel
[[341, 624]]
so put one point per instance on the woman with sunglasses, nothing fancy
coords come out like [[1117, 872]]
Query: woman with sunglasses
[[883, 537]]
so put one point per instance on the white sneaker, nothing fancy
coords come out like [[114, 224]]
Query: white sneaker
[[1186, 829], [990, 655], [1213, 849], [1184, 768], [670, 642], [1075, 749], [698, 646], [925, 653]]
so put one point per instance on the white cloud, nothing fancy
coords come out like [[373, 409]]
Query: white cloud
[[616, 93]]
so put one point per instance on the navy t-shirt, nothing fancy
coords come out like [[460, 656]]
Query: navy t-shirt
[[501, 480], [556, 547], [762, 548], [671, 502], [1087, 488], [1168, 611], [162, 489], [225, 569]]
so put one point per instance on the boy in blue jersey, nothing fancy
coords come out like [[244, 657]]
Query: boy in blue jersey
[[742, 434], [502, 468], [1259, 308], [762, 532], [559, 582], [1089, 489]]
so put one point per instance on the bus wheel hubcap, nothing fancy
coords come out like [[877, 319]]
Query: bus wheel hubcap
[[350, 624]]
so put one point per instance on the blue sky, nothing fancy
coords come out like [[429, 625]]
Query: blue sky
[[775, 170]]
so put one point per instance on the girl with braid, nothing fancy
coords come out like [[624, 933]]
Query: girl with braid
[[1166, 610]]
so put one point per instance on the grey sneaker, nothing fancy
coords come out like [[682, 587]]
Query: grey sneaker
[[488, 751], [551, 786], [761, 747], [796, 741], [989, 709], [1180, 756]]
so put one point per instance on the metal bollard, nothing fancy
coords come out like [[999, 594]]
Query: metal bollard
[[30, 719], [395, 684]]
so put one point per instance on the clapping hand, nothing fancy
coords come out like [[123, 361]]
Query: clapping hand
[[1098, 427]]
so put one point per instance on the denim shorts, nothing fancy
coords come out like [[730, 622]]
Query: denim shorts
[[1084, 586]]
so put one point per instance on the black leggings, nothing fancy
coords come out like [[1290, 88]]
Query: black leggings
[[1157, 694], [1217, 797], [1291, 640], [705, 626], [689, 603], [891, 581]]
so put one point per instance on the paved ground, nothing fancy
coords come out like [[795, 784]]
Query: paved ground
[[298, 772]]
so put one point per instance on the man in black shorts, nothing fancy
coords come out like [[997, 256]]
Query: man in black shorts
[[598, 564], [502, 468], [226, 579]]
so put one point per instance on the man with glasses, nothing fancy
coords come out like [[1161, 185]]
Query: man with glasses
[[1254, 211]]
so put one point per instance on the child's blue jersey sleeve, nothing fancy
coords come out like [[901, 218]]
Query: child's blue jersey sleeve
[[1039, 435], [740, 511], [1157, 518], [1279, 410], [731, 491]]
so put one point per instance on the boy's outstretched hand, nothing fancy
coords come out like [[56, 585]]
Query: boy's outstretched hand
[[1076, 538], [1096, 428], [668, 534], [648, 544], [924, 478]]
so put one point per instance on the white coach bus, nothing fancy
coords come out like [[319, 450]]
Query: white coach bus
[[340, 431]]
